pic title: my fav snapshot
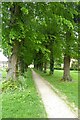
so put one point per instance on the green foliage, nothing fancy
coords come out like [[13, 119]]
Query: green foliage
[[24, 10], [35, 25]]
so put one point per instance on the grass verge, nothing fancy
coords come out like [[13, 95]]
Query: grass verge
[[69, 89], [22, 101]]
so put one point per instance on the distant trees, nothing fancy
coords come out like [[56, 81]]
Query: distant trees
[[39, 33]]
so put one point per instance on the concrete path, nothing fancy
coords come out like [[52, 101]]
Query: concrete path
[[54, 105]]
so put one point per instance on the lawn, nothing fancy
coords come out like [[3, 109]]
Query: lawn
[[0, 94], [69, 89], [22, 101]]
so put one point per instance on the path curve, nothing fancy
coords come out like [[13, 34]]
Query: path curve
[[54, 105]]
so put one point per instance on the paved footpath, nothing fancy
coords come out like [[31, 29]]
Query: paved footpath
[[54, 105]]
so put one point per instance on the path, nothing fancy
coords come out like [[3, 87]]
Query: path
[[54, 105]]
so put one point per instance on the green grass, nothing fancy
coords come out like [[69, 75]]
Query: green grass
[[70, 89], [23, 102], [4, 73]]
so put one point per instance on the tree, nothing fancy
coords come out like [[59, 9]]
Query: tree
[[15, 32], [70, 39], [39, 32], [11, 35]]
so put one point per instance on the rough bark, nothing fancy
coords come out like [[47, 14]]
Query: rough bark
[[12, 64], [66, 74]]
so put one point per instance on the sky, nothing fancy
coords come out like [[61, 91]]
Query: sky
[[2, 57]]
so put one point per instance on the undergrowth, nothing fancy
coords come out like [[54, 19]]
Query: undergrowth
[[20, 99]]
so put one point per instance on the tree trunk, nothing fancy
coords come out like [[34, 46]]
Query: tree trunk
[[51, 56], [51, 63], [12, 64], [66, 74], [41, 66], [45, 67], [34, 63], [25, 66], [21, 66]]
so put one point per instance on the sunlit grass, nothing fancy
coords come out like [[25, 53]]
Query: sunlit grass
[[23, 102]]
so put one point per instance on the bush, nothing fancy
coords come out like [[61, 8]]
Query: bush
[[11, 85]]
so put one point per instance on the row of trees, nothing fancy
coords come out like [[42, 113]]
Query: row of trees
[[41, 33]]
